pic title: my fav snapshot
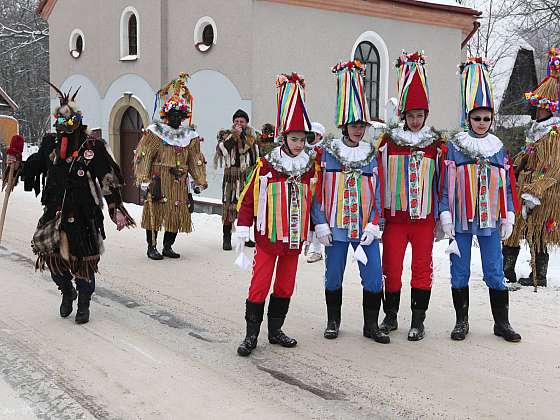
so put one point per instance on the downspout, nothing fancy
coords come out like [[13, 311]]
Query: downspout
[[476, 26], [164, 12]]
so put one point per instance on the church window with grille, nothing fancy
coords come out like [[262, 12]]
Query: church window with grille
[[369, 56]]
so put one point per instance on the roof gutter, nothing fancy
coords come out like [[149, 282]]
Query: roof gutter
[[443, 7]]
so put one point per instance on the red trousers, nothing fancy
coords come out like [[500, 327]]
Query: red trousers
[[263, 269], [396, 237]]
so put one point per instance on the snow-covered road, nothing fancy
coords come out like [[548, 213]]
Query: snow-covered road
[[161, 343]]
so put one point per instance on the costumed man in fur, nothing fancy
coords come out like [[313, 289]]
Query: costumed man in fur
[[347, 206], [478, 199], [410, 155], [278, 198], [236, 151], [538, 171], [78, 173], [168, 152], [314, 251]]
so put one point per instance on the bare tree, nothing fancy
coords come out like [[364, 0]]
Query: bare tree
[[24, 54]]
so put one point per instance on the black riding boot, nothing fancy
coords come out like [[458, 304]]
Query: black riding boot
[[541, 261], [151, 238], [69, 295], [168, 241], [371, 304], [391, 303], [461, 304], [82, 313], [499, 301], [419, 300], [254, 316], [226, 246], [277, 310], [334, 304], [510, 254]]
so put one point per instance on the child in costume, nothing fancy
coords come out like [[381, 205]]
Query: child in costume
[[315, 250], [278, 198], [410, 155], [478, 199], [538, 169], [347, 206]]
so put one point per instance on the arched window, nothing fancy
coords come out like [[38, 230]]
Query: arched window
[[132, 35], [369, 56], [205, 34], [76, 43]]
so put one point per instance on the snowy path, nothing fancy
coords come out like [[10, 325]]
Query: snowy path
[[161, 343]]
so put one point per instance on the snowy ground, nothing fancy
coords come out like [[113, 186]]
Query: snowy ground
[[162, 340]]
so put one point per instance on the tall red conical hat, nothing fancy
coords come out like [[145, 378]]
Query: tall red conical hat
[[412, 83], [291, 112]]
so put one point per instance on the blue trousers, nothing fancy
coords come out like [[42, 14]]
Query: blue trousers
[[492, 261], [335, 264], [81, 284]]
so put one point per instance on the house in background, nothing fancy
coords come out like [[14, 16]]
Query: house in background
[[7, 104], [514, 76], [122, 51], [8, 124]]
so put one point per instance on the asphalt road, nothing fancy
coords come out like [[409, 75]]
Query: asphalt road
[[162, 337]]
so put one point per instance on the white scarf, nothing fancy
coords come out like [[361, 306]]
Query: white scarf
[[540, 129], [424, 137], [352, 154], [485, 146], [286, 164], [180, 137]]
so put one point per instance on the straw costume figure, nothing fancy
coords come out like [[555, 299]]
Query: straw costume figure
[[168, 152], [538, 171]]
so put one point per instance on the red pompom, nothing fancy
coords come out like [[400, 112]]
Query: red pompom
[[16, 146]]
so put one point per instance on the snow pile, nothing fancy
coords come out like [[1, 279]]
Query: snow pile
[[28, 150]]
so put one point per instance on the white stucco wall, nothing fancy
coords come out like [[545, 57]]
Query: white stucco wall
[[311, 41], [96, 108]]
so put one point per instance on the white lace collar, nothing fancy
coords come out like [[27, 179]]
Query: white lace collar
[[540, 129], [288, 165], [180, 137], [422, 138], [352, 154], [485, 146]]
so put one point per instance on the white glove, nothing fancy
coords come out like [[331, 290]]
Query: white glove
[[323, 233], [242, 233], [447, 224], [506, 228], [370, 234], [530, 201]]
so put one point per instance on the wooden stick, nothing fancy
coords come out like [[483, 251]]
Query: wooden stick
[[534, 266], [8, 191]]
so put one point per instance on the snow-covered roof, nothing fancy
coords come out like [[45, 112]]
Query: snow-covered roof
[[6, 101], [503, 68], [443, 2]]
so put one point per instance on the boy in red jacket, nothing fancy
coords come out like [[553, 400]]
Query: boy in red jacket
[[278, 198]]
